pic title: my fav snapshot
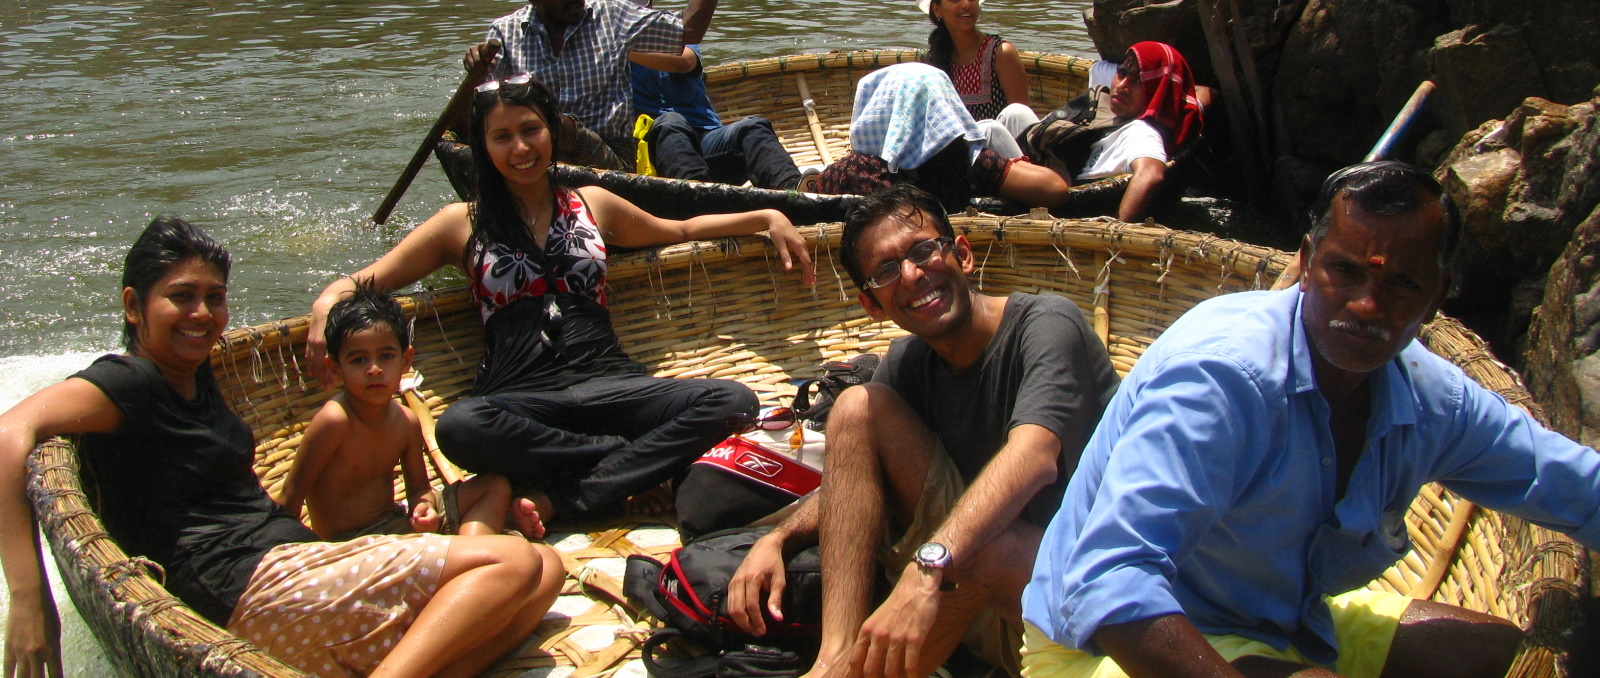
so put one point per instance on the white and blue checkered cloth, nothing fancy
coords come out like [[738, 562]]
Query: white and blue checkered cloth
[[590, 77], [907, 113]]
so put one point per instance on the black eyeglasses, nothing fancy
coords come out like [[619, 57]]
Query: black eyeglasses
[[493, 85], [919, 255]]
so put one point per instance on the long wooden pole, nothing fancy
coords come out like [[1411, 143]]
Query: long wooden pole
[[452, 110], [812, 122], [1402, 122]]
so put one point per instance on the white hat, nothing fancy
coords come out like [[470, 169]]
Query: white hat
[[925, 4]]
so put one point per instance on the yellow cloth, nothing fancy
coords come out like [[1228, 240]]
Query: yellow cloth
[[1364, 623], [641, 162]]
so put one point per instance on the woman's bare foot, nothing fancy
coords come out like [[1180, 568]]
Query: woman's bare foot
[[655, 500], [525, 515]]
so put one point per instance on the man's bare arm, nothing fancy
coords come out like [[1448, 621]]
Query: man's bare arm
[[762, 571], [697, 19], [1148, 173], [1171, 647], [683, 62], [997, 496]]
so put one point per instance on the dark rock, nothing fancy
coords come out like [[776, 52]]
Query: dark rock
[[1482, 75], [1347, 67], [1114, 25], [1295, 183], [1563, 357], [1561, 34], [1433, 147], [1523, 185]]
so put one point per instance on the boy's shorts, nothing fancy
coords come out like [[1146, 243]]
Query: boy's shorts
[[1364, 624], [398, 519], [992, 637]]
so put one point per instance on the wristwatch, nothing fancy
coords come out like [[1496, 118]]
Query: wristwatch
[[933, 554]]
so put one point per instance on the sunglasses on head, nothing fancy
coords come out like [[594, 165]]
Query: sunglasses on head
[[493, 85]]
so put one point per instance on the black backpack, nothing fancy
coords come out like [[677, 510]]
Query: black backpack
[[689, 593], [1061, 139], [836, 376]]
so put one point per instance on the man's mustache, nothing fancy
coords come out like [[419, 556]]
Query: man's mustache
[[1361, 329]]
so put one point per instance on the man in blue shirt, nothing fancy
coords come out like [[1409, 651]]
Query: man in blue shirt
[[688, 139], [1258, 461]]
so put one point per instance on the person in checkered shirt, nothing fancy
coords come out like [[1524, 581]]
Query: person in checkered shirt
[[579, 48]]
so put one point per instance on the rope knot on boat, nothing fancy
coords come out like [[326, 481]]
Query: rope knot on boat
[[134, 566]]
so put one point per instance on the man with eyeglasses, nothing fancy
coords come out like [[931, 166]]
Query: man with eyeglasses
[[579, 49], [957, 453]]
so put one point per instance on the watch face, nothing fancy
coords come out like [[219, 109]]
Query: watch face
[[932, 553]]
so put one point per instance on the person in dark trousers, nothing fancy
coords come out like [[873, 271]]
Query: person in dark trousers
[[557, 404], [688, 139]]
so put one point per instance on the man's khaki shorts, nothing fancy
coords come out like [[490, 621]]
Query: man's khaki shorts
[[992, 637]]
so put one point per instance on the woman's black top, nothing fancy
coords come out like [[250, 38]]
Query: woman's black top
[[174, 484]]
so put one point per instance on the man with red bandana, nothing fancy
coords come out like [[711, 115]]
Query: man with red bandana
[[1158, 107], [955, 453]]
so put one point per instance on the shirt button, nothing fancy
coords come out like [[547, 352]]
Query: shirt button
[[1327, 461]]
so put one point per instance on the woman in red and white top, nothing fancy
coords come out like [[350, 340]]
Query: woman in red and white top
[[557, 405], [986, 70]]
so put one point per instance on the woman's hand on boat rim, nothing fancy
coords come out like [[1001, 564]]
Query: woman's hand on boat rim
[[792, 249], [33, 637], [316, 343]]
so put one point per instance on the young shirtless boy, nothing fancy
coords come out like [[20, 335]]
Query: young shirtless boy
[[344, 472]]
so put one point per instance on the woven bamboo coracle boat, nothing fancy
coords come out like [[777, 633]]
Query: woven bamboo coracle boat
[[809, 98], [726, 309]]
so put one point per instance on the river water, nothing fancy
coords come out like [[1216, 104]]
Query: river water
[[277, 126]]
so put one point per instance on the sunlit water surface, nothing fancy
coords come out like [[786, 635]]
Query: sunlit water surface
[[278, 127]]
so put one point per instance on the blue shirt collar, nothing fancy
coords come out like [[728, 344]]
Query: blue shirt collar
[[1302, 376]]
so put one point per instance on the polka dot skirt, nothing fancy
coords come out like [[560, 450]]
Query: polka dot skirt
[[336, 609]]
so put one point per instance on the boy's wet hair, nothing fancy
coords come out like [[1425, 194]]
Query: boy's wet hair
[[366, 308]]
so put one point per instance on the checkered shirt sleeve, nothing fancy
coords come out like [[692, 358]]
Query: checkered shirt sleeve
[[590, 77]]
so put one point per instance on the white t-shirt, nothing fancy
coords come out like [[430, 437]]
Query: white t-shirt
[[1115, 153]]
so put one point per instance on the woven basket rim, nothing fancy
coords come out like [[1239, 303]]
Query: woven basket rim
[[1044, 62], [78, 536]]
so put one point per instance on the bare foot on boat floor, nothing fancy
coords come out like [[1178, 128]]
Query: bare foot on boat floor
[[525, 515], [530, 512], [655, 500]]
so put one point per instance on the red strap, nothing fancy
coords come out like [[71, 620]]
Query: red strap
[[748, 459]]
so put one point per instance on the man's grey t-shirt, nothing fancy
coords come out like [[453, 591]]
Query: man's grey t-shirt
[[1043, 366]]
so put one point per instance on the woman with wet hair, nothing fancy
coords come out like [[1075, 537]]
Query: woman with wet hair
[[168, 467], [557, 405]]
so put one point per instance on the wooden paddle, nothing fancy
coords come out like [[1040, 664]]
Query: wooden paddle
[[452, 111]]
